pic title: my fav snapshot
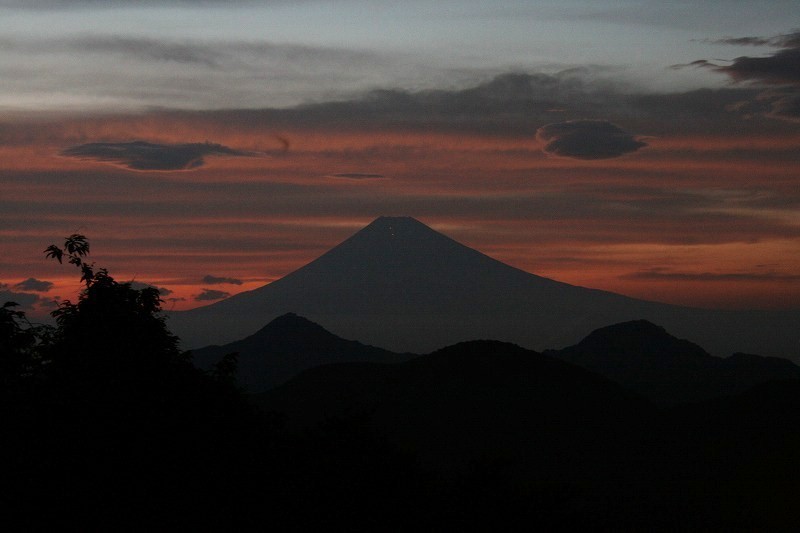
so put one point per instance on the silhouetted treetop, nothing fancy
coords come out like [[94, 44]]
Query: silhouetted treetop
[[21, 360], [103, 413], [112, 327]]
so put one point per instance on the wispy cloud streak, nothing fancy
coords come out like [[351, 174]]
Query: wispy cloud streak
[[665, 275], [210, 295], [220, 280]]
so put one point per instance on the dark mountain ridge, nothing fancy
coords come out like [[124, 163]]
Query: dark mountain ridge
[[500, 434], [286, 346], [645, 358], [472, 400], [639, 355], [401, 285]]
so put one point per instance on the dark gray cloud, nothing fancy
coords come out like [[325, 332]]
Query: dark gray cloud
[[699, 63], [786, 106], [147, 49], [659, 274], [587, 139], [209, 295], [218, 280], [786, 40], [138, 285], [781, 68], [35, 285], [357, 176], [507, 104], [740, 41], [24, 299], [140, 155]]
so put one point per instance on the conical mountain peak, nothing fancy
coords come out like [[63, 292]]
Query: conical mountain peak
[[398, 226], [397, 221], [388, 229], [291, 322], [401, 285], [393, 251]]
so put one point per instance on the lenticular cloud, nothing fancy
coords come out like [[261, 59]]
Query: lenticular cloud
[[587, 139], [140, 155]]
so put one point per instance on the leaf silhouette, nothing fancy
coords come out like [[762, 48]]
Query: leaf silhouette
[[77, 244], [54, 251]]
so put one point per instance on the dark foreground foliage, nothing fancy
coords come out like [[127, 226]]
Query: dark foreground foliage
[[107, 426]]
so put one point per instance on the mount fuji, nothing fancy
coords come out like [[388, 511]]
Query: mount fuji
[[403, 286]]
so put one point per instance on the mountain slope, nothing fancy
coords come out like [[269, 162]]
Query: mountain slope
[[659, 366], [403, 286], [285, 347], [496, 433], [478, 400]]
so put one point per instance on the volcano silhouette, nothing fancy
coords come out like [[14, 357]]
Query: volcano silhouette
[[400, 285]]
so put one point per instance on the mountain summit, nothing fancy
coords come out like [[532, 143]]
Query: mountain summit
[[403, 286], [285, 347], [646, 359]]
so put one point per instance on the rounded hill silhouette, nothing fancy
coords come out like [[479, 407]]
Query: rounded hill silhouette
[[286, 346]]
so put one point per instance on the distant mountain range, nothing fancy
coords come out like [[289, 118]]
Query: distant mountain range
[[638, 355], [646, 359], [400, 285]]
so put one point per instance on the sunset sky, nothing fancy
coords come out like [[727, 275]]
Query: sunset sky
[[209, 147]]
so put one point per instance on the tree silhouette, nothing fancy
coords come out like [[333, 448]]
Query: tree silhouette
[[21, 361], [113, 331], [104, 411]]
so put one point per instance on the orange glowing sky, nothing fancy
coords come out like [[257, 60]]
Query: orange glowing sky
[[696, 220], [687, 195]]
